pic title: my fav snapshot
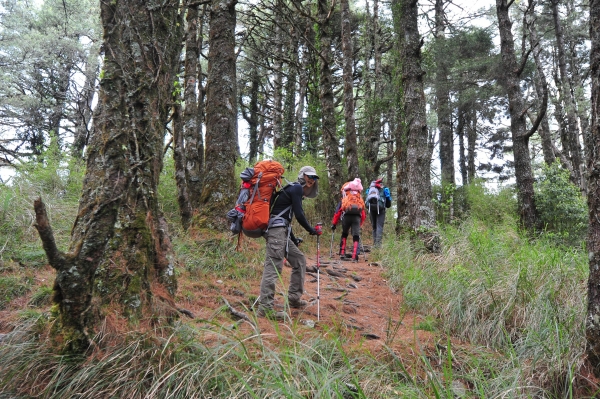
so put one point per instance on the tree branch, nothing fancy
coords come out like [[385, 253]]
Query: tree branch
[[198, 3], [523, 62], [541, 113], [42, 224]]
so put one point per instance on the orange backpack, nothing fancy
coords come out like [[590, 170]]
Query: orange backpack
[[265, 181], [352, 202]]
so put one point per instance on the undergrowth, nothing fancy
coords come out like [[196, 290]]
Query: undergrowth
[[507, 312], [492, 286]]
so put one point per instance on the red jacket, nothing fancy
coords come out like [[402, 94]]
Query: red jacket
[[338, 215]]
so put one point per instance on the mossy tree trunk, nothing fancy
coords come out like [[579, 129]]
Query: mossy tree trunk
[[219, 189], [444, 111], [593, 146], [331, 142], [192, 124], [119, 261], [351, 146], [516, 107], [415, 207]]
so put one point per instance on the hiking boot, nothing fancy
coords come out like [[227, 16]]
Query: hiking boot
[[298, 304], [270, 314]]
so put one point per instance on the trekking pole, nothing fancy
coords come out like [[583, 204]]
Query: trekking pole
[[363, 247], [331, 246], [318, 277]]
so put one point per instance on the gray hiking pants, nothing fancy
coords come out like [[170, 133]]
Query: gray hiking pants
[[377, 220], [277, 239]]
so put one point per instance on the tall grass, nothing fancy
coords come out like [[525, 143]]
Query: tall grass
[[185, 362], [523, 299]]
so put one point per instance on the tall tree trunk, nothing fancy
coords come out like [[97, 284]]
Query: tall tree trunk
[[443, 101], [567, 98], [471, 143], [119, 256], [201, 90], [329, 129], [276, 113], [412, 135], [251, 116], [351, 146], [221, 117], [304, 71], [460, 132], [289, 106], [520, 136], [183, 195], [592, 327], [85, 104], [192, 135], [61, 82], [369, 143], [541, 85]]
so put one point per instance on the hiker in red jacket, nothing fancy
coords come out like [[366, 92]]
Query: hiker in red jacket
[[351, 211]]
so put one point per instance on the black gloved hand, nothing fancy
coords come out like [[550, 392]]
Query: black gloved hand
[[333, 227], [298, 241]]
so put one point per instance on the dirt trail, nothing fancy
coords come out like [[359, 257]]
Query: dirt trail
[[355, 300]]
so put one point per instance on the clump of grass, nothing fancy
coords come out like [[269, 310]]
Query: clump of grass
[[12, 287], [41, 297]]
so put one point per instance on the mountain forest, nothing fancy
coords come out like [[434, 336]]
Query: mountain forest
[[126, 130]]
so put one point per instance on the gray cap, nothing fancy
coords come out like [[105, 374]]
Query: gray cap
[[309, 171]]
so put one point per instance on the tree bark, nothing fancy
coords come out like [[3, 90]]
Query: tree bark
[[520, 138], [592, 327], [289, 106], [443, 101], [218, 190], [541, 87], [119, 260], [413, 178], [328, 123], [251, 117], [460, 132], [567, 99], [84, 105], [192, 130], [471, 143], [370, 137], [277, 111], [304, 72], [183, 195], [351, 146]]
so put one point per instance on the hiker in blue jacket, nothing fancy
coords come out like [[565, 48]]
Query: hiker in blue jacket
[[378, 200], [280, 243]]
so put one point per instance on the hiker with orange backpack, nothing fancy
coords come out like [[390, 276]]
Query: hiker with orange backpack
[[351, 212], [281, 244]]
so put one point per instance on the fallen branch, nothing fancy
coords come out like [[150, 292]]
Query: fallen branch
[[237, 313], [186, 312]]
